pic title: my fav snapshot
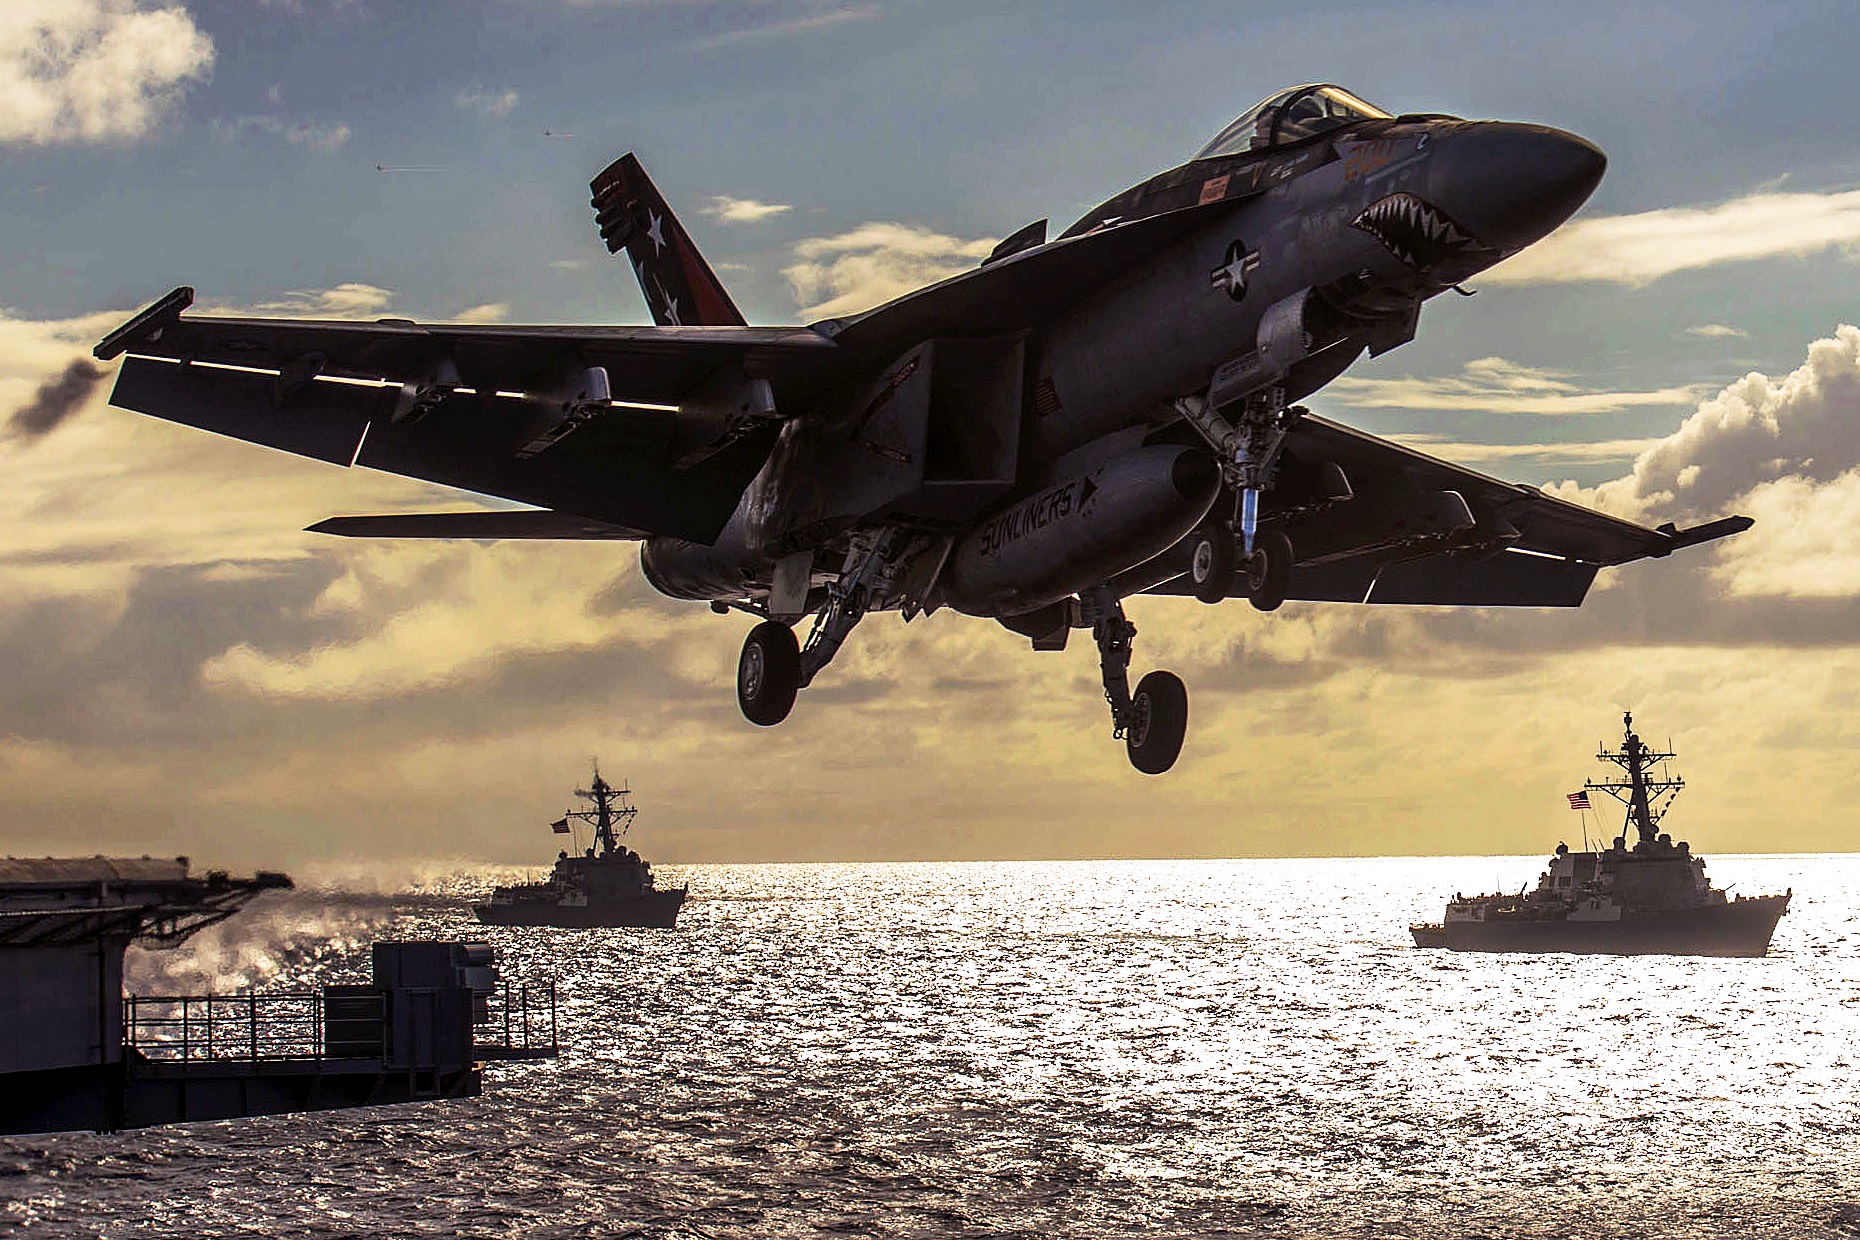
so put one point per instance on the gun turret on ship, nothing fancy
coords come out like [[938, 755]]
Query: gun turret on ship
[[607, 885], [1651, 897]]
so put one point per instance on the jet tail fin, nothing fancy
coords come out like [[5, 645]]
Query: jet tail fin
[[681, 290]]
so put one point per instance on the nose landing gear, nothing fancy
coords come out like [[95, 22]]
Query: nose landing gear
[[1151, 722]]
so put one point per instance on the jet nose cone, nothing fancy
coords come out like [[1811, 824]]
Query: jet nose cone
[[1511, 184]]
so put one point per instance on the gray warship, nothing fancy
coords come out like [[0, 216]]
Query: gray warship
[[608, 885], [1651, 898]]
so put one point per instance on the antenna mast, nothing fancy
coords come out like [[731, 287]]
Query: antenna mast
[[1647, 798]]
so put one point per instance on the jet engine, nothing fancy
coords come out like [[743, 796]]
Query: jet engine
[[1081, 532]]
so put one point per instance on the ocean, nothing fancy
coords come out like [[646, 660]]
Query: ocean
[[1089, 1049]]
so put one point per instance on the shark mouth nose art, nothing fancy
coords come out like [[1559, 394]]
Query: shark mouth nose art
[[1415, 230]]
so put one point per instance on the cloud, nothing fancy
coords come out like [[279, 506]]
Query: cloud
[[316, 135], [1495, 385], [1543, 454], [729, 210], [1755, 431], [489, 312], [1717, 331], [1641, 248], [787, 29], [94, 70], [349, 300], [56, 399], [495, 104], [873, 263]]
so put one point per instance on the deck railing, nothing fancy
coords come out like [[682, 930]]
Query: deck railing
[[292, 1024], [250, 1027]]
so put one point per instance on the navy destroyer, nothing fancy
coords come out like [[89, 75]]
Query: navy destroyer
[[607, 885], [1648, 898]]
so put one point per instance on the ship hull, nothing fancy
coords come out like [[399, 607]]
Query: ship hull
[[1738, 928], [655, 910]]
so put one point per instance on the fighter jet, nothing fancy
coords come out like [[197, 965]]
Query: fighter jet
[[1079, 420]]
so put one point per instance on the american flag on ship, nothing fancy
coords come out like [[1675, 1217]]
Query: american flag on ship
[[1579, 800], [559, 826]]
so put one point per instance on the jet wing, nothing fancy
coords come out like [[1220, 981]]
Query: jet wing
[[1421, 531], [490, 409]]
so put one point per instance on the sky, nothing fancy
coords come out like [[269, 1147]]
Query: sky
[[187, 671]]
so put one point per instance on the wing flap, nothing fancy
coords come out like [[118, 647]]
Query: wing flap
[[617, 467], [1508, 579], [321, 420]]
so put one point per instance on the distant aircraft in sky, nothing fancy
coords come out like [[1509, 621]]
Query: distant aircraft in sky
[[1075, 422]]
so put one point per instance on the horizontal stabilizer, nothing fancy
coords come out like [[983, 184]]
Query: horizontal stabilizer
[[535, 523]]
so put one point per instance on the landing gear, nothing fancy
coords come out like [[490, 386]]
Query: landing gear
[[768, 673], [1152, 721], [1269, 570], [1213, 563], [1158, 722], [774, 667]]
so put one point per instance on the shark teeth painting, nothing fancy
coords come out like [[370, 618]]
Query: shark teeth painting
[[1415, 230]]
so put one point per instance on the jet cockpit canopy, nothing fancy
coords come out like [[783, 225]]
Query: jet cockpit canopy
[[1291, 116]]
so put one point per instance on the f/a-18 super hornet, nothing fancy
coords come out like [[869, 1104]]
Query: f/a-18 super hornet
[[1078, 420]]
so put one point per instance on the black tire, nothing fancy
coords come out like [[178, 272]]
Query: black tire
[[1213, 561], [1158, 722], [1269, 570], [768, 673]]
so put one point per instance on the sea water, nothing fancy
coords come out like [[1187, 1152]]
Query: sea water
[[1092, 1049]]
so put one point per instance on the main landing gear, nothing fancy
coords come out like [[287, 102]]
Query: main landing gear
[[774, 667], [1151, 722]]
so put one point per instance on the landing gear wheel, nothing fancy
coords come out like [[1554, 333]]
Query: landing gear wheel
[[1212, 564], [768, 674], [1269, 570], [1158, 722]]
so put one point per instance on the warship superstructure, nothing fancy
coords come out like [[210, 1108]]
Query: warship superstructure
[[607, 885], [1648, 898]]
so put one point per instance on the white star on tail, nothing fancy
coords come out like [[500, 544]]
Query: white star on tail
[[657, 233]]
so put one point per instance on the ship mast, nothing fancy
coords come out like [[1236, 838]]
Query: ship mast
[[610, 808], [1647, 798]]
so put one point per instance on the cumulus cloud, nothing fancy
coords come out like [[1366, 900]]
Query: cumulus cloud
[[1641, 248], [871, 264], [495, 104], [94, 70], [1805, 425], [1717, 331], [729, 210], [1495, 385]]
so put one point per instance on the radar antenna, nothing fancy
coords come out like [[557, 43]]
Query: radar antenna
[[1647, 798], [611, 807]]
